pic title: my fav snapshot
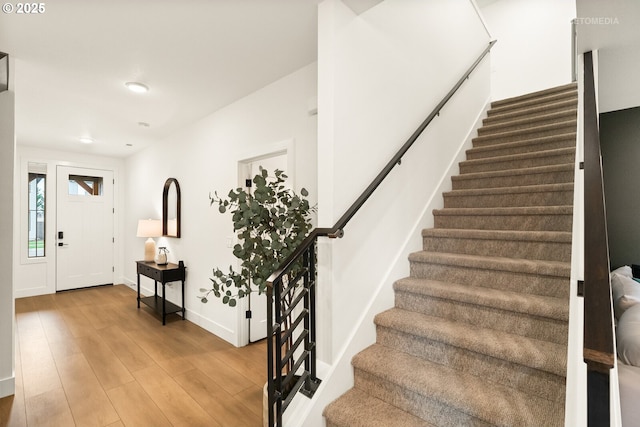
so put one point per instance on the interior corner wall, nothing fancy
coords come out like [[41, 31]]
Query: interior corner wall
[[379, 90], [619, 136], [533, 51], [7, 156], [204, 158]]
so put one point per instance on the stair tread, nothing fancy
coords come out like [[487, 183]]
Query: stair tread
[[525, 266], [494, 403], [519, 156], [568, 89], [520, 132], [529, 352], [514, 172], [356, 408], [524, 210], [539, 141], [528, 120], [534, 236], [535, 109], [530, 304], [526, 104], [537, 188]]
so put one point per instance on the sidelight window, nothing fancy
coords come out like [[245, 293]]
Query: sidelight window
[[36, 212]]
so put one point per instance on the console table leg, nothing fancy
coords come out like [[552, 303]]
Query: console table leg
[[164, 309], [138, 290], [183, 310]]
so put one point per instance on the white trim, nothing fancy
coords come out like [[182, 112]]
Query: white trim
[[260, 152], [7, 386], [479, 13]]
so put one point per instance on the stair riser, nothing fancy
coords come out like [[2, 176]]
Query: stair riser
[[552, 286], [505, 222], [533, 111], [541, 328], [522, 249], [522, 124], [541, 132], [475, 154], [417, 404], [539, 383], [551, 198], [513, 180], [528, 162]]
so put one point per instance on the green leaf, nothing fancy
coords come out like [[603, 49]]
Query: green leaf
[[204, 300], [232, 302], [304, 192], [222, 209]]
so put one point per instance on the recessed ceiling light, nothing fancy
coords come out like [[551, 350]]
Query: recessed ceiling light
[[137, 87], [87, 140]]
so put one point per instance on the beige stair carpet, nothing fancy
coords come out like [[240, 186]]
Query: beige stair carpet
[[478, 334]]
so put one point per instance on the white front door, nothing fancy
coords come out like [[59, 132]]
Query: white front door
[[84, 236], [257, 323]]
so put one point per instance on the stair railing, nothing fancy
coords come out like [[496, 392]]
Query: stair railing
[[598, 351], [291, 322]]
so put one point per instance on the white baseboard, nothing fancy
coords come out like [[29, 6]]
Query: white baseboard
[[7, 387]]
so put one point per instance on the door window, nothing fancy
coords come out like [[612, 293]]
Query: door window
[[85, 185]]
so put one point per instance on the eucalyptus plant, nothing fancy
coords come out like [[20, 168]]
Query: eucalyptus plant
[[270, 224]]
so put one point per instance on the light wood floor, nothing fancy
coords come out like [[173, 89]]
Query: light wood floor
[[91, 358]]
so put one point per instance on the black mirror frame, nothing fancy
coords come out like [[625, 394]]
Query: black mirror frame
[[165, 207]]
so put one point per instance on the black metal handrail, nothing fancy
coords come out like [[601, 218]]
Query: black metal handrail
[[4, 71], [281, 390], [598, 351]]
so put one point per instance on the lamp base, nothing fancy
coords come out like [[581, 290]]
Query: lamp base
[[149, 249]]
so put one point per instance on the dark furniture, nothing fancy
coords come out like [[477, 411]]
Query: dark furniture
[[164, 274]]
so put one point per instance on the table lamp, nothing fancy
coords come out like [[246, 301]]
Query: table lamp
[[149, 228]]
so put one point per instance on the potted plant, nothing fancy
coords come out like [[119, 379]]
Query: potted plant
[[270, 224]]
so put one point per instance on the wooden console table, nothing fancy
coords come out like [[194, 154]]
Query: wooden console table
[[163, 274]]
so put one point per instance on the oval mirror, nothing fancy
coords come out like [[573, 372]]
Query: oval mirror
[[171, 208]]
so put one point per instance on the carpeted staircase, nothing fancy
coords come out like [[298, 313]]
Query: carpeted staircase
[[478, 334]]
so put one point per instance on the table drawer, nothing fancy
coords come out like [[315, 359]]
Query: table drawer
[[149, 271]]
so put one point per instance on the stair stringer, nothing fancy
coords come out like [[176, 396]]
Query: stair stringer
[[339, 376]]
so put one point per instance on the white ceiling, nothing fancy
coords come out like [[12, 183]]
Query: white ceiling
[[72, 61]]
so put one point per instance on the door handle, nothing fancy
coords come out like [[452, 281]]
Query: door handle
[[63, 244]]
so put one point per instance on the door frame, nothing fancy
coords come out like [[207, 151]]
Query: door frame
[[38, 276], [113, 216], [266, 151]]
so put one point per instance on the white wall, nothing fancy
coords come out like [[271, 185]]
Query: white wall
[[534, 45], [384, 76], [204, 157], [37, 276], [619, 71], [7, 153], [380, 75]]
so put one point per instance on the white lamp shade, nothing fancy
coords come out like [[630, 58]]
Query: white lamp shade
[[149, 228]]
